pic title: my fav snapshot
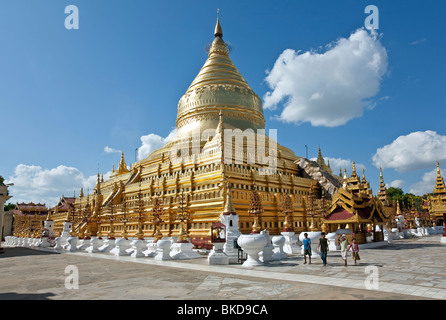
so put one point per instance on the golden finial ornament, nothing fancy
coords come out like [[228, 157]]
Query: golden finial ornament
[[157, 212], [218, 30], [287, 210], [183, 215], [354, 170], [255, 209]]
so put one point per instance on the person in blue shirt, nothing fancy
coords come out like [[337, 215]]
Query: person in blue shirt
[[307, 248]]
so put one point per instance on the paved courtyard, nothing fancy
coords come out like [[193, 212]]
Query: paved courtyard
[[407, 269]]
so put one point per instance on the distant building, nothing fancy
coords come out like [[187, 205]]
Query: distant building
[[28, 219]]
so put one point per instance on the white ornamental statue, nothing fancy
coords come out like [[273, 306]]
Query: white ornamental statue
[[231, 221], [48, 235]]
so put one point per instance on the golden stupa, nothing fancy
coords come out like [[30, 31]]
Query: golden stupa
[[189, 171]]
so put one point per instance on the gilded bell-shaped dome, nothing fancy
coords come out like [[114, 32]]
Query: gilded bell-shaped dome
[[219, 87]]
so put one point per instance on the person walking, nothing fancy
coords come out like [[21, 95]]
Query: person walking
[[343, 242], [355, 250], [307, 248], [322, 247]]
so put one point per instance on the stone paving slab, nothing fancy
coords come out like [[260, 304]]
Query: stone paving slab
[[408, 269]]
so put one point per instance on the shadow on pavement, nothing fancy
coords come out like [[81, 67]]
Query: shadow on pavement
[[20, 251], [405, 246], [25, 296]]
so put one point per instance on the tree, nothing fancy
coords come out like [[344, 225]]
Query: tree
[[395, 193], [9, 206], [405, 199]]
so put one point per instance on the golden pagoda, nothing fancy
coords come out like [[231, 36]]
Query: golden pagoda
[[435, 204], [220, 135]]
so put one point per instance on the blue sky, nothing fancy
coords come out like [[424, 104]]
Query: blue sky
[[65, 95]]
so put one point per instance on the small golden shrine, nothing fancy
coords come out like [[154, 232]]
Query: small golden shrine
[[354, 207], [435, 204]]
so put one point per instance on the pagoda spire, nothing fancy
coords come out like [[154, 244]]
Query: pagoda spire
[[354, 170], [220, 138], [255, 209], [49, 216], [122, 166], [229, 205], [218, 30], [382, 193], [440, 188], [344, 183], [398, 209]]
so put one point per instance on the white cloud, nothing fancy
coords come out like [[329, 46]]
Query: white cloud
[[414, 43], [152, 142], [396, 184], [331, 88], [33, 183], [427, 183], [107, 149], [417, 150]]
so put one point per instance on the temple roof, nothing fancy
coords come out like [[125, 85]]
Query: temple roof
[[30, 208], [340, 214]]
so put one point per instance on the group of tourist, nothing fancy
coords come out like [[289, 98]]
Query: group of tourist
[[322, 247]]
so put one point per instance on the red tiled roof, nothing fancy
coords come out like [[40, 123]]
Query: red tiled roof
[[365, 213], [17, 212], [31, 207], [70, 200], [339, 214]]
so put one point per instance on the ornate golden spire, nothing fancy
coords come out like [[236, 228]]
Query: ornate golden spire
[[49, 216], [218, 31], [439, 184], [287, 210], [255, 209], [320, 160], [382, 193], [398, 209], [354, 170], [229, 205], [122, 167]]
